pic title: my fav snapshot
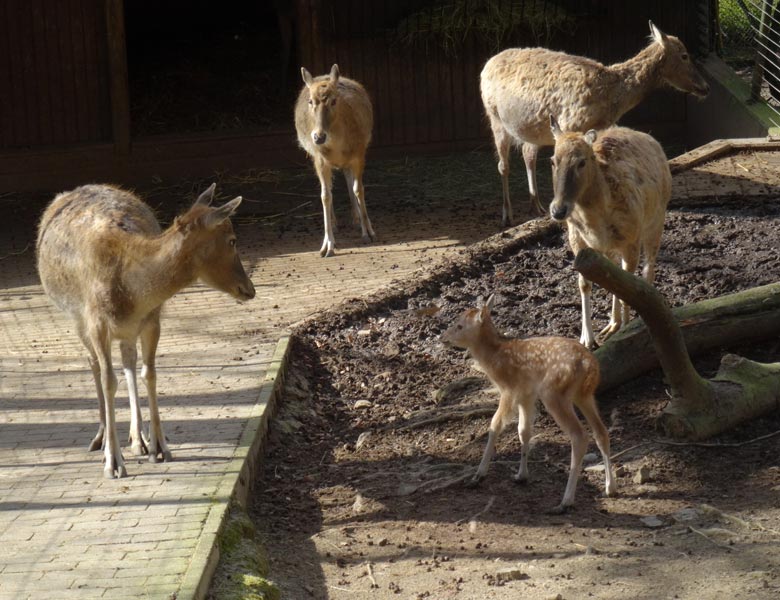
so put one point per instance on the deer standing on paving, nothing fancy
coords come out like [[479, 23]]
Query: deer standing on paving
[[522, 87], [333, 119], [103, 260], [612, 189], [558, 371]]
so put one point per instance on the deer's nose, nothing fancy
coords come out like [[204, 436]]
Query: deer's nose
[[319, 137]]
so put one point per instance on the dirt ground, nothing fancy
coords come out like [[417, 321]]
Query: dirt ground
[[353, 501]]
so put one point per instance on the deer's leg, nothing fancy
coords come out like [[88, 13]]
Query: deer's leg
[[150, 335], [561, 409], [589, 410], [530, 151], [621, 312], [587, 339], [350, 179], [138, 445], [496, 427], [325, 174], [525, 426], [354, 176], [503, 143], [101, 343], [98, 442]]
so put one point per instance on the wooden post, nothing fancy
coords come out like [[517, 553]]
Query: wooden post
[[117, 75]]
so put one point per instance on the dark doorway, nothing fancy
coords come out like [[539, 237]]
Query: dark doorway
[[206, 66]]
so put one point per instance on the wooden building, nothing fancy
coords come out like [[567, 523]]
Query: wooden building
[[124, 91]]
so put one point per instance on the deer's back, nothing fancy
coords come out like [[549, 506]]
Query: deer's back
[[546, 363], [636, 171], [524, 86], [83, 240]]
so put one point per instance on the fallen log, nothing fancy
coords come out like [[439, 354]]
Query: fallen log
[[699, 408], [749, 316]]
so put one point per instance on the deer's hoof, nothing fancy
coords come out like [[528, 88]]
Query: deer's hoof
[[167, 456], [115, 473], [520, 479], [473, 482], [558, 510]]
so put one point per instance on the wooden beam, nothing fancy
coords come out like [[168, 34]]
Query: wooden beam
[[117, 76]]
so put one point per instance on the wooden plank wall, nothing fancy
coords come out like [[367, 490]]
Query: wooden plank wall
[[423, 94], [53, 73]]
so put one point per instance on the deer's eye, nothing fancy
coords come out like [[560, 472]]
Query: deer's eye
[[684, 57], [333, 102], [459, 327], [581, 163], [311, 102], [232, 242], [554, 164]]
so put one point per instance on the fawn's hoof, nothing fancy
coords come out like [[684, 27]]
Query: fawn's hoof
[[474, 481]]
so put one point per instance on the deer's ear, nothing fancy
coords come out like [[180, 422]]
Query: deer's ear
[[218, 215], [334, 73], [555, 128], [490, 301], [658, 35], [207, 196], [306, 76], [591, 136]]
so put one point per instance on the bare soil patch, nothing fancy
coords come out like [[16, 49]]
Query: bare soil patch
[[347, 499]]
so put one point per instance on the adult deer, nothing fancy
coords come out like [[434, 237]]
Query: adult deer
[[334, 118], [103, 260], [612, 189]]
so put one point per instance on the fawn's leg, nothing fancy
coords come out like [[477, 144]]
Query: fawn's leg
[[525, 424], [561, 409]]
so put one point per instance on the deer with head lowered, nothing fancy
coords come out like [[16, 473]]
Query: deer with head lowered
[[558, 371], [522, 87], [104, 261], [611, 188], [333, 119]]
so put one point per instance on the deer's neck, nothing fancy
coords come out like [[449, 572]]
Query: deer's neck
[[591, 211], [637, 77], [160, 267], [486, 349]]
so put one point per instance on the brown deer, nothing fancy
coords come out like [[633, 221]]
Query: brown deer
[[522, 87], [612, 189], [558, 371], [334, 118], [103, 260]]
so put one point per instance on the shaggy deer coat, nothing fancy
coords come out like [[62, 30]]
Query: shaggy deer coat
[[104, 261], [522, 88], [612, 189], [333, 119]]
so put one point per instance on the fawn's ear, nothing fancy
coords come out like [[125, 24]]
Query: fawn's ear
[[490, 301], [555, 128], [307, 78], [334, 73], [658, 35], [218, 215], [590, 136], [207, 196]]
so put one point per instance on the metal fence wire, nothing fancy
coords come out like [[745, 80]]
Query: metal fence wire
[[749, 40]]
